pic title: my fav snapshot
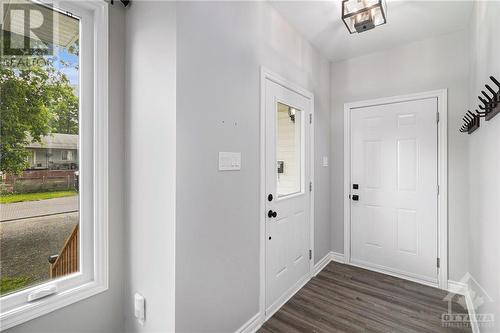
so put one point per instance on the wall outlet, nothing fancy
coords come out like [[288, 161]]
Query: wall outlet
[[229, 161], [139, 308]]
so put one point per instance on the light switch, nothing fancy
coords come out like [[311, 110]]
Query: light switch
[[139, 308], [325, 161], [229, 161]]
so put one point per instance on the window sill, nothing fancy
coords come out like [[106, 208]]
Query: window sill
[[49, 304]]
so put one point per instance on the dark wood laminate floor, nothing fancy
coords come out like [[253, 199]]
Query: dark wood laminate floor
[[344, 298]]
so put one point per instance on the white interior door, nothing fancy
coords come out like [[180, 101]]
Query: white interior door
[[287, 135], [394, 210]]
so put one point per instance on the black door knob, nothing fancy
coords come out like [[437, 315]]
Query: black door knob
[[270, 214], [355, 197]]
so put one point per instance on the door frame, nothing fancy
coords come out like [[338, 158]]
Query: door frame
[[442, 98], [266, 74]]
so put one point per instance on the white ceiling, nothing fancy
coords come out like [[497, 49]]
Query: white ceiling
[[320, 22]]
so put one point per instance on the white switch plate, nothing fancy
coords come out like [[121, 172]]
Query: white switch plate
[[325, 161], [139, 308], [229, 161]]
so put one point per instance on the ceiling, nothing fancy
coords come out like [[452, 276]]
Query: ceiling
[[320, 22]]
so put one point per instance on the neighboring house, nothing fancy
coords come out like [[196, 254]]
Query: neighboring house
[[55, 152]]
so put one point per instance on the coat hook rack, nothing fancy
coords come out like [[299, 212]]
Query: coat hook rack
[[490, 107], [124, 2]]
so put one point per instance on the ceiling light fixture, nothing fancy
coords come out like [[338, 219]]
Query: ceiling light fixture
[[363, 15]]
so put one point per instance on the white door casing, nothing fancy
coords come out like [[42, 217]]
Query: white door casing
[[288, 215], [395, 155]]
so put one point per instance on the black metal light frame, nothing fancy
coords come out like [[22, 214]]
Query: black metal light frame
[[348, 16]]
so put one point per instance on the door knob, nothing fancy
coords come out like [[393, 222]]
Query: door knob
[[355, 197], [270, 214]]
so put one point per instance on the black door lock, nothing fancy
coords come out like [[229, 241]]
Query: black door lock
[[355, 197], [355, 186], [270, 214], [270, 197]]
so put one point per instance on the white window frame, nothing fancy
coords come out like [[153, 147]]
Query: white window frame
[[93, 275], [65, 155]]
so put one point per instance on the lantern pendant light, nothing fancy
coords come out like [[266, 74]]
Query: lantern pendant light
[[363, 15]]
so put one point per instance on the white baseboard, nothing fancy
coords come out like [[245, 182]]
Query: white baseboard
[[330, 256], [318, 267], [463, 289], [252, 325], [338, 257], [457, 287]]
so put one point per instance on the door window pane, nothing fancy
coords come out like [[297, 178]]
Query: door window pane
[[288, 150], [39, 119]]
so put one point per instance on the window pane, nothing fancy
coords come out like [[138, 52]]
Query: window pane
[[39, 119], [289, 150]]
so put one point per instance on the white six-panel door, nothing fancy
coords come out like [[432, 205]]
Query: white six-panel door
[[394, 218], [287, 176]]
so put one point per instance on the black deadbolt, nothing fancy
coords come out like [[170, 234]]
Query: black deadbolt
[[270, 197], [355, 186], [269, 237], [355, 197], [270, 214]]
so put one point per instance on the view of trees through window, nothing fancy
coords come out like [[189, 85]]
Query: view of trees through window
[[39, 145]]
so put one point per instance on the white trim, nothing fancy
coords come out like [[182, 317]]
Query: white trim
[[457, 287], [94, 278], [269, 75], [320, 265], [338, 257], [252, 325], [392, 272], [287, 295], [460, 288], [441, 96], [329, 257]]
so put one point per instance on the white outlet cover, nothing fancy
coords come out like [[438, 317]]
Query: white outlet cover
[[229, 161]]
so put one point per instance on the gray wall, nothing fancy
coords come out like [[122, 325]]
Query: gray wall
[[484, 162], [437, 63], [220, 48], [103, 312], [150, 160]]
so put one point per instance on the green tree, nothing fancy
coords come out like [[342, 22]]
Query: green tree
[[33, 103], [64, 108]]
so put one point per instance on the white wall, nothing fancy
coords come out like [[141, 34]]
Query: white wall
[[484, 161], [436, 63], [103, 312], [150, 158], [220, 48]]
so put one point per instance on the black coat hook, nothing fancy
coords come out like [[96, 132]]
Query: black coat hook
[[481, 114], [490, 107], [491, 90], [124, 2], [495, 81]]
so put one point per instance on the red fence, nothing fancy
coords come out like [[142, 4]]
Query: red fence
[[39, 180]]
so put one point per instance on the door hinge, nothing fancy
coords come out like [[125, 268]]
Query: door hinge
[[310, 118], [438, 263], [310, 186], [437, 117], [310, 254]]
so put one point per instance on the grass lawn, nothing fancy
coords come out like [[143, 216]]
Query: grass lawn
[[10, 198], [8, 284]]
